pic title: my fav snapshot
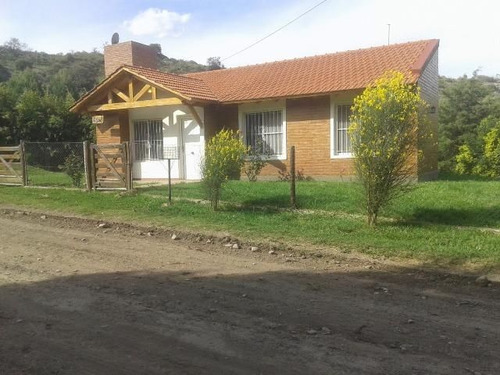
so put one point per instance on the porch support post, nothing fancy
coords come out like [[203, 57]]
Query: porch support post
[[195, 115]]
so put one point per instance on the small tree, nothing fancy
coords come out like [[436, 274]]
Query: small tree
[[256, 160], [74, 168], [224, 157], [384, 135]]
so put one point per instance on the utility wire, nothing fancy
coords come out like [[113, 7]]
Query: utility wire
[[275, 31]]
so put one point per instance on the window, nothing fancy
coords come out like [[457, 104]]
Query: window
[[341, 142], [148, 140], [264, 132]]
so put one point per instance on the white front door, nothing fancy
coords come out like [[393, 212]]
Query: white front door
[[191, 150]]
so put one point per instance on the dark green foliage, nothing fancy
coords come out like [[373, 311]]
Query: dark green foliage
[[171, 65], [464, 104], [214, 63], [37, 91], [4, 74]]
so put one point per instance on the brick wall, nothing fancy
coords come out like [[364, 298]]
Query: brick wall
[[308, 129], [129, 53]]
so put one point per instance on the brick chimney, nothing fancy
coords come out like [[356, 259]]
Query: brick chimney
[[129, 53]]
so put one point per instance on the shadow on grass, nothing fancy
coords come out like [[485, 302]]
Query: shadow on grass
[[273, 202], [480, 217], [447, 176], [283, 322]]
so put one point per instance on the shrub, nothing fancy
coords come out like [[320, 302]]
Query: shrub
[[384, 134], [256, 160], [491, 157], [285, 176], [486, 162], [224, 157], [465, 160], [74, 168]]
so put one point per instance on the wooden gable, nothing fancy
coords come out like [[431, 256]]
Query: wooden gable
[[127, 91]]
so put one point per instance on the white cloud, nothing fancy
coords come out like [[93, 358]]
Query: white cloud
[[157, 22]]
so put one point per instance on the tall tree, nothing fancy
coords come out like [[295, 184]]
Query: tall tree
[[214, 63], [464, 103]]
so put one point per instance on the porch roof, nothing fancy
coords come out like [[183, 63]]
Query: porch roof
[[186, 89]]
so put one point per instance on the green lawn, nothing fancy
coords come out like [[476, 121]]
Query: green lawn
[[443, 222], [42, 177]]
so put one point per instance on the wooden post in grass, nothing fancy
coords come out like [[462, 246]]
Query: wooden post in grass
[[169, 183], [92, 168], [128, 166], [22, 151], [86, 165], [293, 200]]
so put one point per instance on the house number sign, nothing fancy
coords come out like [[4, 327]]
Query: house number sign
[[98, 119]]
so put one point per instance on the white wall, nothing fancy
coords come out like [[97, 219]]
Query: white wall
[[171, 118]]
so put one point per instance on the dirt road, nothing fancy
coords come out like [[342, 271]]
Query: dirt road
[[78, 299]]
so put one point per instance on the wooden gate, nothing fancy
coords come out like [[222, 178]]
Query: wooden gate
[[12, 166], [110, 167]]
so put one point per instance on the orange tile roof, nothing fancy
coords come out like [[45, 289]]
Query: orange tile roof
[[192, 88], [317, 74], [306, 76]]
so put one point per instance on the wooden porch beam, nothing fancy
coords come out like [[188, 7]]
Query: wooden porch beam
[[121, 95], [195, 115], [138, 104], [110, 97], [153, 93], [131, 89], [141, 92]]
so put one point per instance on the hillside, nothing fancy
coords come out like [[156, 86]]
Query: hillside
[[79, 71]]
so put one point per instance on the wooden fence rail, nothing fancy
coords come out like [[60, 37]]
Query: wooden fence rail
[[110, 167], [13, 165]]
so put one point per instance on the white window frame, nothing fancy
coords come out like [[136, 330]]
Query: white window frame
[[334, 104], [278, 105]]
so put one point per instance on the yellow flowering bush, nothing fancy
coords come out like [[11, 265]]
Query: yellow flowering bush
[[465, 160], [384, 137], [224, 158], [491, 155]]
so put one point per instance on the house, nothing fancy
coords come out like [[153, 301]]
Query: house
[[303, 102]]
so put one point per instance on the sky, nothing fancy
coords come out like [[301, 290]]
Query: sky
[[198, 29]]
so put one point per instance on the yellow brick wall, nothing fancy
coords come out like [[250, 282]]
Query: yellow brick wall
[[308, 129]]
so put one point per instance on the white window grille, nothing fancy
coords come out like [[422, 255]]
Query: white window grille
[[148, 140], [342, 140], [264, 132]]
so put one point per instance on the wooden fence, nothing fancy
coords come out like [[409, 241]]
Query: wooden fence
[[110, 167], [13, 166], [106, 167]]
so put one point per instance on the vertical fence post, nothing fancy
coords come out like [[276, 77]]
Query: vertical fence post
[[169, 183], [293, 201], [92, 168], [86, 166], [22, 150], [128, 168]]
